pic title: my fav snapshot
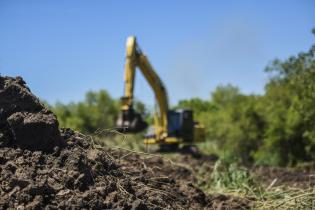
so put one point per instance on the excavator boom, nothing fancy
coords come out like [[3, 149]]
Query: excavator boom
[[129, 120]]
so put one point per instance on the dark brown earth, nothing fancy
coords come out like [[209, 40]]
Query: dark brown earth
[[80, 176], [42, 167], [303, 178], [180, 172], [24, 121]]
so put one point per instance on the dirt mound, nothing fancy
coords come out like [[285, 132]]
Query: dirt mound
[[44, 167], [80, 176], [24, 121]]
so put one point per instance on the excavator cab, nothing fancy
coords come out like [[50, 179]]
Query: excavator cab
[[181, 129], [181, 124]]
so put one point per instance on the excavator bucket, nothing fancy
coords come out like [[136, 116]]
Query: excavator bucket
[[129, 121]]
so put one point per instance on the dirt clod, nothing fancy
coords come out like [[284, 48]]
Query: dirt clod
[[24, 120]]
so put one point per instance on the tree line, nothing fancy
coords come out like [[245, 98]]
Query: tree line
[[275, 128]]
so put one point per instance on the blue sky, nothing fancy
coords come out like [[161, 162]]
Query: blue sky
[[65, 48]]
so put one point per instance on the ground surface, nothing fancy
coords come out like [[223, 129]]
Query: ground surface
[[42, 166]]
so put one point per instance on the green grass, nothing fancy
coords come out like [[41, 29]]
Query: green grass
[[238, 181]]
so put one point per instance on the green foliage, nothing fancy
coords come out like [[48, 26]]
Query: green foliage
[[97, 111], [289, 112], [232, 120], [277, 128], [230, 176]]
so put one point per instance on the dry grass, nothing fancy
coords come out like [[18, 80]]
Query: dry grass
[[224, 179]]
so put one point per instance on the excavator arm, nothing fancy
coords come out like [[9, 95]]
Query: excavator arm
[[129, 119]]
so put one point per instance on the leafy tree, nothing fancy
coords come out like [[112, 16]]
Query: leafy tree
[[290, 114], [231, 120], [97, 111]]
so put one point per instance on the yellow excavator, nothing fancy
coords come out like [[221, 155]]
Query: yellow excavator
[[171, 127]]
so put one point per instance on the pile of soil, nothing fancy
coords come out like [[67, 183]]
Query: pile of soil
[[24, 121], [80, 176], [44, 167]]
